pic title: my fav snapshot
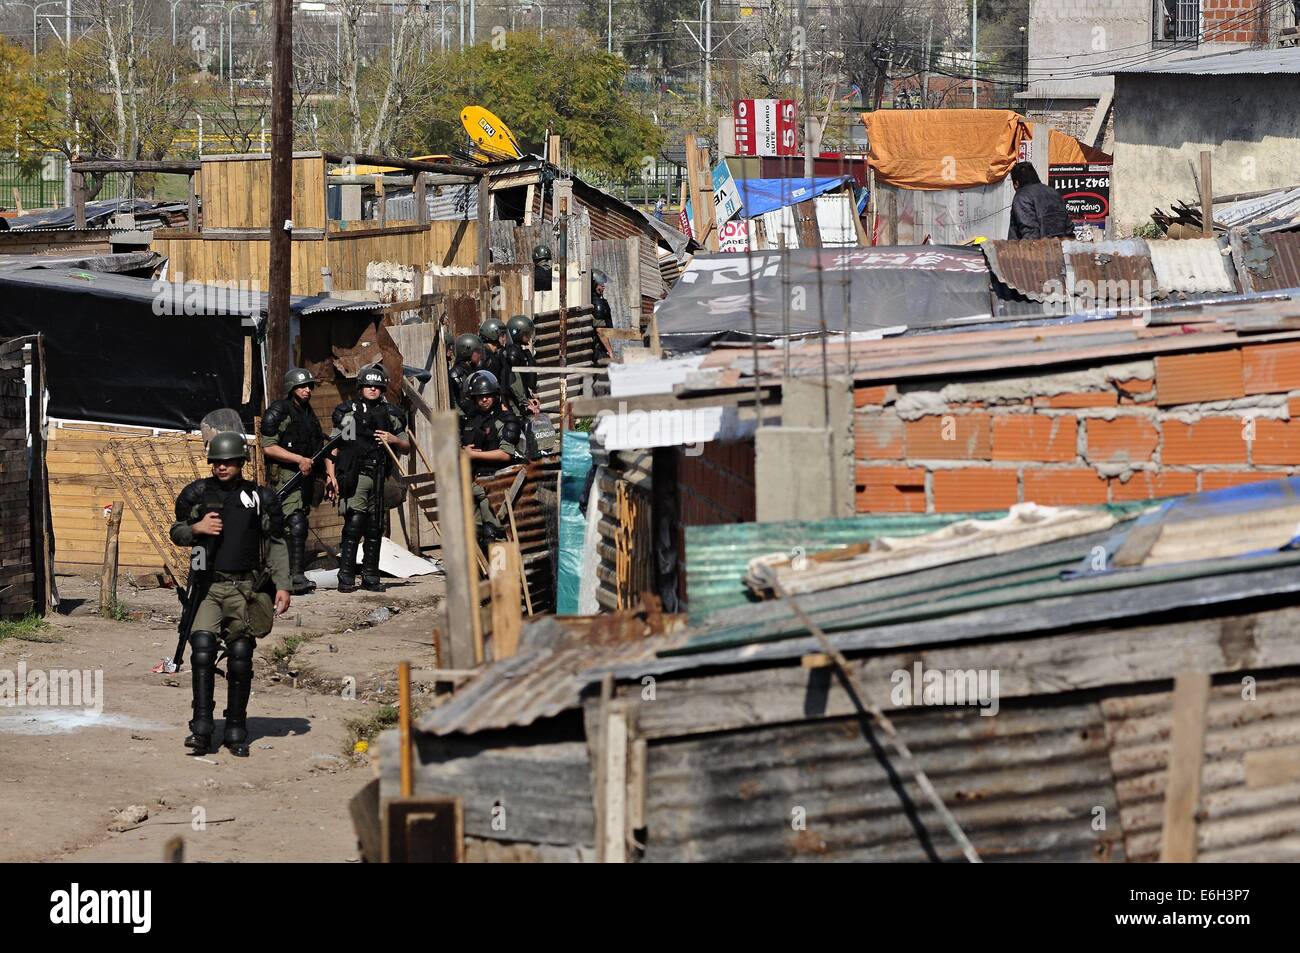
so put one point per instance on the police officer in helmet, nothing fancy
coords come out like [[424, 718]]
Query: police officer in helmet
[[541, 267], [522, 387], [467, 357], [354, 473], [236, 531], [291, 436], [491, 436]]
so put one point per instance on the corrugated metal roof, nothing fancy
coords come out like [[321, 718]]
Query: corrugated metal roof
[[1237, 820], [716, 556], [1268, 261], [536, 683], [1018, 784], [1224, 64], [1113, 274], [1193, 266], [1029, 267]]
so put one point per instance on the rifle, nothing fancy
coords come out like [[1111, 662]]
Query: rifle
[[298, 478], [192, 596]]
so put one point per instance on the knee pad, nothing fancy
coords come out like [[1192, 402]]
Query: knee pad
[[355, 523], [203, 648], [239, 658], [297, 524]]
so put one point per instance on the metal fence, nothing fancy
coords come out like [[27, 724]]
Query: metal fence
[[41, 188]]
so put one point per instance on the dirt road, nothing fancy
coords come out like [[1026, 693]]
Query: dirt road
[[66, 772]]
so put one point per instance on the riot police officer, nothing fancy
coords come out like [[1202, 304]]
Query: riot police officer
[[467, 357], [522, 387], [236, 530], [541, 267], [491, 437], [291, 436], [601, 317], [355, 473]]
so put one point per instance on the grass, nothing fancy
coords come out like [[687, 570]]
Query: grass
[[288, 646], [27, 629], [117, 611], [367, 728]]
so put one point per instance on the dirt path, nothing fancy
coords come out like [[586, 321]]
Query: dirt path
[[64, 772]]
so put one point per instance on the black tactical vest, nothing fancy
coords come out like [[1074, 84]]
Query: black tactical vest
[[303, 435], [239, 547]]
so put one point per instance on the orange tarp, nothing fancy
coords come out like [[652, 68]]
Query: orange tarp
[[943, 148], [1067, 150]]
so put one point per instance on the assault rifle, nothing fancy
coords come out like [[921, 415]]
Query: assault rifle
[[298, 478]]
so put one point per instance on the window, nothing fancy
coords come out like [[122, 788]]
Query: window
[[1177, 21]]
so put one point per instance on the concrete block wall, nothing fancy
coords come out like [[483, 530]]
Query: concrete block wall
[[1175, 424]]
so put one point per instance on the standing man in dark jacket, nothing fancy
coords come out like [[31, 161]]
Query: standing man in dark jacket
[[1036, 211], [291, 436], [601, 316]]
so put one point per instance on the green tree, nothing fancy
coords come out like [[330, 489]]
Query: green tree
[[565, 83], [23, 101]]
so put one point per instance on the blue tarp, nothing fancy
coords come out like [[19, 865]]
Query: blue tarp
[[575, 461], [758, 196]]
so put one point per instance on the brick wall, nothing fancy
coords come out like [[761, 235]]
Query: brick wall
[[1177, 424], [717, 485], [1234, 21]]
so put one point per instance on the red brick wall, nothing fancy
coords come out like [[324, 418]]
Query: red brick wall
[[1233, 21], [1161, 430], [717, 486]]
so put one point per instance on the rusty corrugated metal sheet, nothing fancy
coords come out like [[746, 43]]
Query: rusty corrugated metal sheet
[[1029, 267], [1268, 262], [1236, 821], [1022, 785], [535, 684], [1114, 274], [1192, 266]]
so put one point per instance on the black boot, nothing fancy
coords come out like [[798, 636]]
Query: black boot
[[239, 685], [370, 564], [203, 660], [353, 527], [296, 523]]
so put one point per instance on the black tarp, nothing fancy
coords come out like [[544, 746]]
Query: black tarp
[[111, 358], [912, 285]]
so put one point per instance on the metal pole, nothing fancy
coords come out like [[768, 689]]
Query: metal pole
[[460, 21], [708, 53], [281, 245], [974, 34], [67, 98], [473, 4], [609, 29]]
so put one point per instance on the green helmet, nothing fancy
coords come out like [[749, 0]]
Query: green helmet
[[491, 330], [296, 378], [466, 345], [227, 446], [521, 329], [373, 375], [482, 383], [541, 252]]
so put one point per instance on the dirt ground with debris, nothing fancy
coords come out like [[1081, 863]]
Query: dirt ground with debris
[[66, 776]]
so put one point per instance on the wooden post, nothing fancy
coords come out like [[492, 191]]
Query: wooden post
[[78, 200], [193, 203], [890, 232], [503, 575], [1207, 196], [484, 223], [421, 212], [456, 529], [281, 243], [404, 725], [108, 574], [693, 185], [382, 194], [1186, 754], [553, 150]]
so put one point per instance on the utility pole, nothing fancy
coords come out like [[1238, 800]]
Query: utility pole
[[708, 54], [472, 6], [460, 21], [277, 313], [609, 28], [67, 98], [974, 33]]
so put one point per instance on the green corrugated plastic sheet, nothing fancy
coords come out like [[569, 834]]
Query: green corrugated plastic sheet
[[717, 556]]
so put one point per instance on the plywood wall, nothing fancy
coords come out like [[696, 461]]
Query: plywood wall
[[237, 192], [248, 260]]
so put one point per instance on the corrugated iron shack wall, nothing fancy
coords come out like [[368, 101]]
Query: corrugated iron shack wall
[[1247, 812], [1022, 785], [635, 470], [17, 561]]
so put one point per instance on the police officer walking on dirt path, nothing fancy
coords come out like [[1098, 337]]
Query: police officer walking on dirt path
[[291, 436], [354, 473], [236, 531]]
